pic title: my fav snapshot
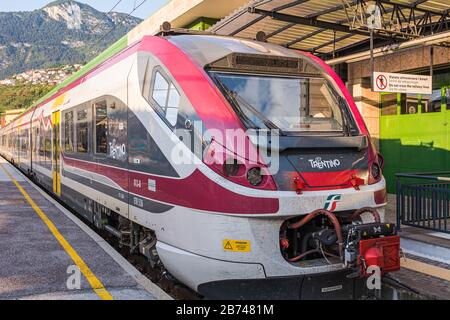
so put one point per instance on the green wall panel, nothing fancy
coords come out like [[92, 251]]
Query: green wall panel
[[202, 24], [415, 143]]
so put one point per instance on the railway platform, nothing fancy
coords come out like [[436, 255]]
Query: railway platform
[[48, 253]]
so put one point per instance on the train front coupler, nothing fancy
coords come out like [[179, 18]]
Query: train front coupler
[[343, 238], [371, 247]]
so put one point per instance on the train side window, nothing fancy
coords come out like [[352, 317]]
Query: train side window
[[82, 131], [36, 140], [101, 127], [41, 141], [167, 97], [24, 141], [68, 131], [48, 146]]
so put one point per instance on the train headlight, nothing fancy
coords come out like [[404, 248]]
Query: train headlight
[[376, 171], [254, 176]]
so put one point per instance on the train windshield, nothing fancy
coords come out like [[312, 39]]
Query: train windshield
[[291, 105]]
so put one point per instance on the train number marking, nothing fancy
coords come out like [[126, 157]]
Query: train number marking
[[137, 183], [138, 202], [236, 245]]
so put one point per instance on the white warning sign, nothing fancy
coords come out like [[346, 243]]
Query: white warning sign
[[402, 83]]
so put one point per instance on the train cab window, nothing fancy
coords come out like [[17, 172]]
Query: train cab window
[[167, 97], [101, 127], [68, 132], [291, 105], [82, 131], [173, 104], [160, 90]]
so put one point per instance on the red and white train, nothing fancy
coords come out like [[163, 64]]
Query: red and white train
[[140, 146]]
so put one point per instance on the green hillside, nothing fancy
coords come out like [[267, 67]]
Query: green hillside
[[21, 95], [63, 32]]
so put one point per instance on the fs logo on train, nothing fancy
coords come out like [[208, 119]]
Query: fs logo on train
[[332, 202]]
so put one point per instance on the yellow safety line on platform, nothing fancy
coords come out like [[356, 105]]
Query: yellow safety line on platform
[[426, 268], [90, 276]]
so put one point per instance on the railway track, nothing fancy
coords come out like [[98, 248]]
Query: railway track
[[163, 280]]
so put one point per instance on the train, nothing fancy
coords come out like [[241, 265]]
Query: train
[[241, 168]]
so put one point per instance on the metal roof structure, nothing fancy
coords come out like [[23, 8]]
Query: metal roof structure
[[331, 27]]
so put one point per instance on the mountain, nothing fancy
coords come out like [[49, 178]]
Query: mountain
[[62, 32]]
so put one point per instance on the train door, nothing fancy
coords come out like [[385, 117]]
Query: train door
[[56, 156]]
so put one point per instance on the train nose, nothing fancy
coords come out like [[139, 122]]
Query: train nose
[[318, 169], [325, 169]]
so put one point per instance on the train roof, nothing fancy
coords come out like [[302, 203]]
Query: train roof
[[205, 49]]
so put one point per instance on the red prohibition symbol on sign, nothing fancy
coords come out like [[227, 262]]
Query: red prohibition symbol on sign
[[382, 82]]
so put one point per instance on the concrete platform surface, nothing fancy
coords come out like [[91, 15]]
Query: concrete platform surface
[[428, 278], [426, 236], [36, 263]]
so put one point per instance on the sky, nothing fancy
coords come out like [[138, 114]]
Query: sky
[[147, 8]]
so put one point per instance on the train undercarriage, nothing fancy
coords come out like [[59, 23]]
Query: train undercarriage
[[365, 248]]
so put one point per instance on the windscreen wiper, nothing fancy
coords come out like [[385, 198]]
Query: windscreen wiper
[[345, 117], [269, 124], [248, 123], [235, 97]]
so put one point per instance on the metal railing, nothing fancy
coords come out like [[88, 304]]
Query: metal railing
[[423, 200]]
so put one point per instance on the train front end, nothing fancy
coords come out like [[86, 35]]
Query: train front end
[[297, 147]]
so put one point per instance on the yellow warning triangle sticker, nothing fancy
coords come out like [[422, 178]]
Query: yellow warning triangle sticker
[[228, 246]]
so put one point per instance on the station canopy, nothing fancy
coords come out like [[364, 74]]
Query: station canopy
[[333, 27]]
